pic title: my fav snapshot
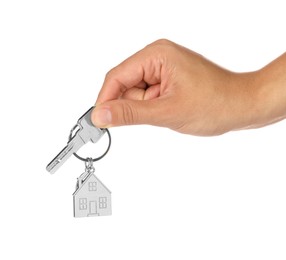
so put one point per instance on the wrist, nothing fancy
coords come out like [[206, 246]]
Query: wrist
[[245, 106], [265, 98], [271, 95]]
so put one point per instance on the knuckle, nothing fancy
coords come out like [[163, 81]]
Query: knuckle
[[161, 48], [163, 42], [111, 77], [109, 74], [129, 115]]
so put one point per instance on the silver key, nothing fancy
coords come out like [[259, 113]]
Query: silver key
[[86, 132]]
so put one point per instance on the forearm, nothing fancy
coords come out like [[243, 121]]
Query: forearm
[[252, 99]]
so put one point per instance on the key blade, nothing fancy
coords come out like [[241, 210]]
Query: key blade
[[72, 147]]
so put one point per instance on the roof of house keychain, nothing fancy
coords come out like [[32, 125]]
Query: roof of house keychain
[[91, 197]]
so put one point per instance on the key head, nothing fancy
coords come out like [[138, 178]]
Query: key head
[[88, 132]]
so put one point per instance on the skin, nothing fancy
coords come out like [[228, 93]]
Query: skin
[[168, 85]]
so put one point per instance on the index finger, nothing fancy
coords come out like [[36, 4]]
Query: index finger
[[140, 67]]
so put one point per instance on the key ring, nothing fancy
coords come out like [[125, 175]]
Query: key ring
[[91, 159]]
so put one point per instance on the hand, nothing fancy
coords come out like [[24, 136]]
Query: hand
[[168, 85]]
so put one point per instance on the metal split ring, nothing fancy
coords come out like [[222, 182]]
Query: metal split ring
[[91, 159]]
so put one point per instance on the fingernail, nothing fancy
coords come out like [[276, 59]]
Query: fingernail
[[101, 117]]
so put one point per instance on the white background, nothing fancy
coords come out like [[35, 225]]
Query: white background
[[174, 196]]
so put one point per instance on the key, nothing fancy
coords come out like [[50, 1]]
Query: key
[[86, 132]]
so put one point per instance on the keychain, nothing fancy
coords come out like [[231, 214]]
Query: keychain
[[91, 197]]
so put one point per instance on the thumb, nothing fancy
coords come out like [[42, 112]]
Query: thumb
[[126, 112]]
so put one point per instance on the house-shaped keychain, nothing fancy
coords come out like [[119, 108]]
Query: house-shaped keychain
[[91, 197]]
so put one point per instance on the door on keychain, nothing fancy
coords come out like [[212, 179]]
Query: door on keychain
[[93, 208]]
